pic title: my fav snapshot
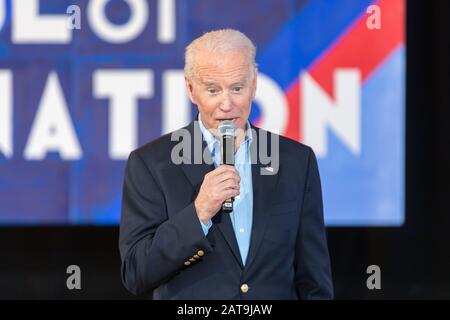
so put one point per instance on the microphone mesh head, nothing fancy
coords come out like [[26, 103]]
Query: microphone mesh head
[[227, 128]]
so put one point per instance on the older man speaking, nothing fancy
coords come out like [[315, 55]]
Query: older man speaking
[[176, 241]]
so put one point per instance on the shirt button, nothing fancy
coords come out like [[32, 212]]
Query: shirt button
[[200, 253], [241, 230], [244, 288]]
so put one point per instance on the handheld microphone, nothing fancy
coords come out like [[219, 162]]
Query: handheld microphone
[[227, 133]]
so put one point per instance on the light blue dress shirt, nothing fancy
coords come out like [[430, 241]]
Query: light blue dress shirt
[[242, 214]]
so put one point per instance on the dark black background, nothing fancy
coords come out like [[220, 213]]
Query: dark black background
[[414, 259]]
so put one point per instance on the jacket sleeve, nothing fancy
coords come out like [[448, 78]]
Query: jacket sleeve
[[312, 263], [154, 248]]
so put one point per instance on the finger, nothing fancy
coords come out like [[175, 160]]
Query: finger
[[230, 193], [228, 175], [229, 184], [218, 171], [222, 179], [226, 179], [224, 168]]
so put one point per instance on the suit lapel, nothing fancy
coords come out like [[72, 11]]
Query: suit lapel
[[263, 187], [193, 165], [195, 174], [223, 221]]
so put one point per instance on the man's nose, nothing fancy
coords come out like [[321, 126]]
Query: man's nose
[[227, 103]]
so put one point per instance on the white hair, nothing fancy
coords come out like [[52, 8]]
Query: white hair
[[223, 41]]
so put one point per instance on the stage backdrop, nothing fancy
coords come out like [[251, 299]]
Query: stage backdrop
[[81, 86]]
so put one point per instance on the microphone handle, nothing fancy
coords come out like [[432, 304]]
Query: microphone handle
[[228, 158], [227, 206]]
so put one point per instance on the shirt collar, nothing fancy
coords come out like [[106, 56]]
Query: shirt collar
[[211, 140], [207, 135]]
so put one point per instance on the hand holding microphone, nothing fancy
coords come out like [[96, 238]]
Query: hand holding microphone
[[218, 185], [221, 185]]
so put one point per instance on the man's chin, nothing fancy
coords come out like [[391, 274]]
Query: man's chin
[[238, 122], [241, 124], [235, 121]]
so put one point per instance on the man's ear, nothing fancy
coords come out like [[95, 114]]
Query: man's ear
[[255, 81], [189, 89]]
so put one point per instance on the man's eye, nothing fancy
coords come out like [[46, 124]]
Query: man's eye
[[212, 91], [237, 89]]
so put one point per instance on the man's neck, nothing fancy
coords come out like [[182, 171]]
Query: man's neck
[[240, 137], [240, 134]]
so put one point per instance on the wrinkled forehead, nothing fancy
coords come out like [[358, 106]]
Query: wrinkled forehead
[[221, 67]]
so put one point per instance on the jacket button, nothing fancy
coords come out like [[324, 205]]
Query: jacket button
[[187, 263], [192, 260], [196, 256], [244, 288], [201, 253]]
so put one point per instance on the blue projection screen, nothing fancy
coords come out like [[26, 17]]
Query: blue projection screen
[[82, 83]]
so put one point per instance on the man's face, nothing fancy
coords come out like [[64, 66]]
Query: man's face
[[223, 88]]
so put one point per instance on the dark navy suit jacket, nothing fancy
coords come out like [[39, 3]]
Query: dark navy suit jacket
[[164, 250]]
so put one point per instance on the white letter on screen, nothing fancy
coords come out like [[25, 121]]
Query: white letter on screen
[[342, 116], [176, 110], [123, 88], [6, 116], [2, 13], [166, 21], [30, 27], [270, 97], [114, 33], [52, 129]]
